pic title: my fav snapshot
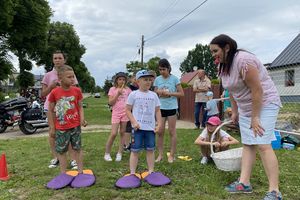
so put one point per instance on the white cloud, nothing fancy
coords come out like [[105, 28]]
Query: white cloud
[[111, 30]]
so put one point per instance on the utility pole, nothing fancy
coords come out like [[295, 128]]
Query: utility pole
[[142, 50]]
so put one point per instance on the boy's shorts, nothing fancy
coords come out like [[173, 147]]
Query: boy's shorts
[[141, 139], [64, 137], [118, 118]]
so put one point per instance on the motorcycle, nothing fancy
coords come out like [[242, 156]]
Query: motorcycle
[[18, 111]]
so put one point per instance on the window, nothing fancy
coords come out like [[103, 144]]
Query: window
[[289, 78]]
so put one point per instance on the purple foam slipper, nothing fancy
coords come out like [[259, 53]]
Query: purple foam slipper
[[127, 182], [157, 179], [60, 181], [83, 180]]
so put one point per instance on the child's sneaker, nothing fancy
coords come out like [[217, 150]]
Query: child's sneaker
[[53, 163], [107, 157], [204, 160], [237, 187], [273, 196], [118, 157], [73, 164]]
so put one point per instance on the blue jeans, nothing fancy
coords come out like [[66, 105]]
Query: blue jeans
[[141, 139], [198, 107]]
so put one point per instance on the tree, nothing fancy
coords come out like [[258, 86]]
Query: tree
[[134, 66], [26, 36], [200, 57], [62, 36], [107, 84], [152, 64]]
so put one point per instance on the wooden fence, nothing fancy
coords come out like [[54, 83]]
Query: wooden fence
[[187, 103]]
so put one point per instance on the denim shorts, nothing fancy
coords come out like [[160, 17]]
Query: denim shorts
[[268, 117], [141, 139], [64, 137]]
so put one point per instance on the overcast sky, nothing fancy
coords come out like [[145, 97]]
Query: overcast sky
[[111, 30]]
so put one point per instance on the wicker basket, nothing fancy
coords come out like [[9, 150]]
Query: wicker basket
[[229, 160]]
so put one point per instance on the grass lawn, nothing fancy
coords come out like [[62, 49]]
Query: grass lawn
[[97, 112], [28, 160]]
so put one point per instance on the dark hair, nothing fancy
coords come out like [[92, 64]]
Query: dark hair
[[164, 63], [60, 52], [223, 40]]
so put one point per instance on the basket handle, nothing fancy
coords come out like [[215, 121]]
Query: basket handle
[[214, 133]]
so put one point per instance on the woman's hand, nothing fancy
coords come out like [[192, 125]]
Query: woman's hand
[[256, 126], [234, 117]]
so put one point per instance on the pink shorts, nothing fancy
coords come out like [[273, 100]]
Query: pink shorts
[[118, 118]]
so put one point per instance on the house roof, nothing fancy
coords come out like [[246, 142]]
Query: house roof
[[186, 78], [289, 56]]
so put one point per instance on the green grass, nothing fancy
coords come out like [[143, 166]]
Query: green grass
[[97, 112], [290, 108], [28, 159]]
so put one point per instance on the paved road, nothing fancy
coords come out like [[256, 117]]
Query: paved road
[[16, 133]]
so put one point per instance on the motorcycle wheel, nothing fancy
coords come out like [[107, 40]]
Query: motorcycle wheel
[[27, 129], [3, 127]]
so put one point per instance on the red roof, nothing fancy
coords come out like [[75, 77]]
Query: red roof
[[186, 78]]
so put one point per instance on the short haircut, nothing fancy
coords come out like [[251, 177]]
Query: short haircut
[[63, 69]]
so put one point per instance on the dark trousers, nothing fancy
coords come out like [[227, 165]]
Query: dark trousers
[[198, 107]]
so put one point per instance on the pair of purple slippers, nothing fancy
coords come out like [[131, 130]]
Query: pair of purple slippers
[[72, 178], [134, 180]]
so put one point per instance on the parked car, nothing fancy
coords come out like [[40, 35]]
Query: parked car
[[97, 95]]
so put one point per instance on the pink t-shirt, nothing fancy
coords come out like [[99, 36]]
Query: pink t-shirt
[[236, 85], [48, 79], [119, 107]]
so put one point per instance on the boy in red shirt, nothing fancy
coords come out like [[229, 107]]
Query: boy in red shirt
[[66, 117]]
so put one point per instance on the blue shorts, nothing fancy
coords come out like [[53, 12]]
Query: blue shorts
[[141, 139], [268, 117]]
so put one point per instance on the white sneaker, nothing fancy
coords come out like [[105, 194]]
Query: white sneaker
[[204, 160], [53, 163], [107, 157], [118, 157], [73, 164]]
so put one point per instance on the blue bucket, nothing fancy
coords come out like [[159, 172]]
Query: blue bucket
[[276, 144]]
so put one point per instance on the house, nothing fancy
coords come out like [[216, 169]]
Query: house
[[285, 72], [189, 77]]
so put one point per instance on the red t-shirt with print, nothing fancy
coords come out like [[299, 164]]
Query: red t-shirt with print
[[66, 107]]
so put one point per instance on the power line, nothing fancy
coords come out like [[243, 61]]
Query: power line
[[156, 35]]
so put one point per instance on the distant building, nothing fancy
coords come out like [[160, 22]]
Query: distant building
[[285, 72], [189, 77]]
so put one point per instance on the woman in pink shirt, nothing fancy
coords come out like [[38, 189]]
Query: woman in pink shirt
[[49, 82], [255, 105], [117, 97]]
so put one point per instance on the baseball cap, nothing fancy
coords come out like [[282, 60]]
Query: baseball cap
[[215, 121], [142, 73], [209, 94]]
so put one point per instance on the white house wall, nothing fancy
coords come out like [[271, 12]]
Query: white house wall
[[278, 76]]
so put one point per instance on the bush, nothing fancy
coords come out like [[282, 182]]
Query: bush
[[185, 85], [215, 81]]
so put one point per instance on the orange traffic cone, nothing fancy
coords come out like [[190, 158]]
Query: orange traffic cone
[[3, 168]]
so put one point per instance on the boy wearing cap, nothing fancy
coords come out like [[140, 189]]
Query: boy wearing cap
[[142, 108], [212, 105], [221, 140]]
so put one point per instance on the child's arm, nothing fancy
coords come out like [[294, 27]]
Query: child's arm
[[51, 118], [81, 114], [222, 99], [129, 114], [201, 142], [158, 118], [231, 140], [113, 99]]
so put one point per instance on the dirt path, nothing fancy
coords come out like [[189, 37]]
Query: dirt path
[[16, 133]]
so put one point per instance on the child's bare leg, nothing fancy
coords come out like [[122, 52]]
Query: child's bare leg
[[122, 136], [62, 161], [173, 139], [79, 159], [113, 134], [150, 160], [72, 152], [205, 150], [160, 140], [133, 161]]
